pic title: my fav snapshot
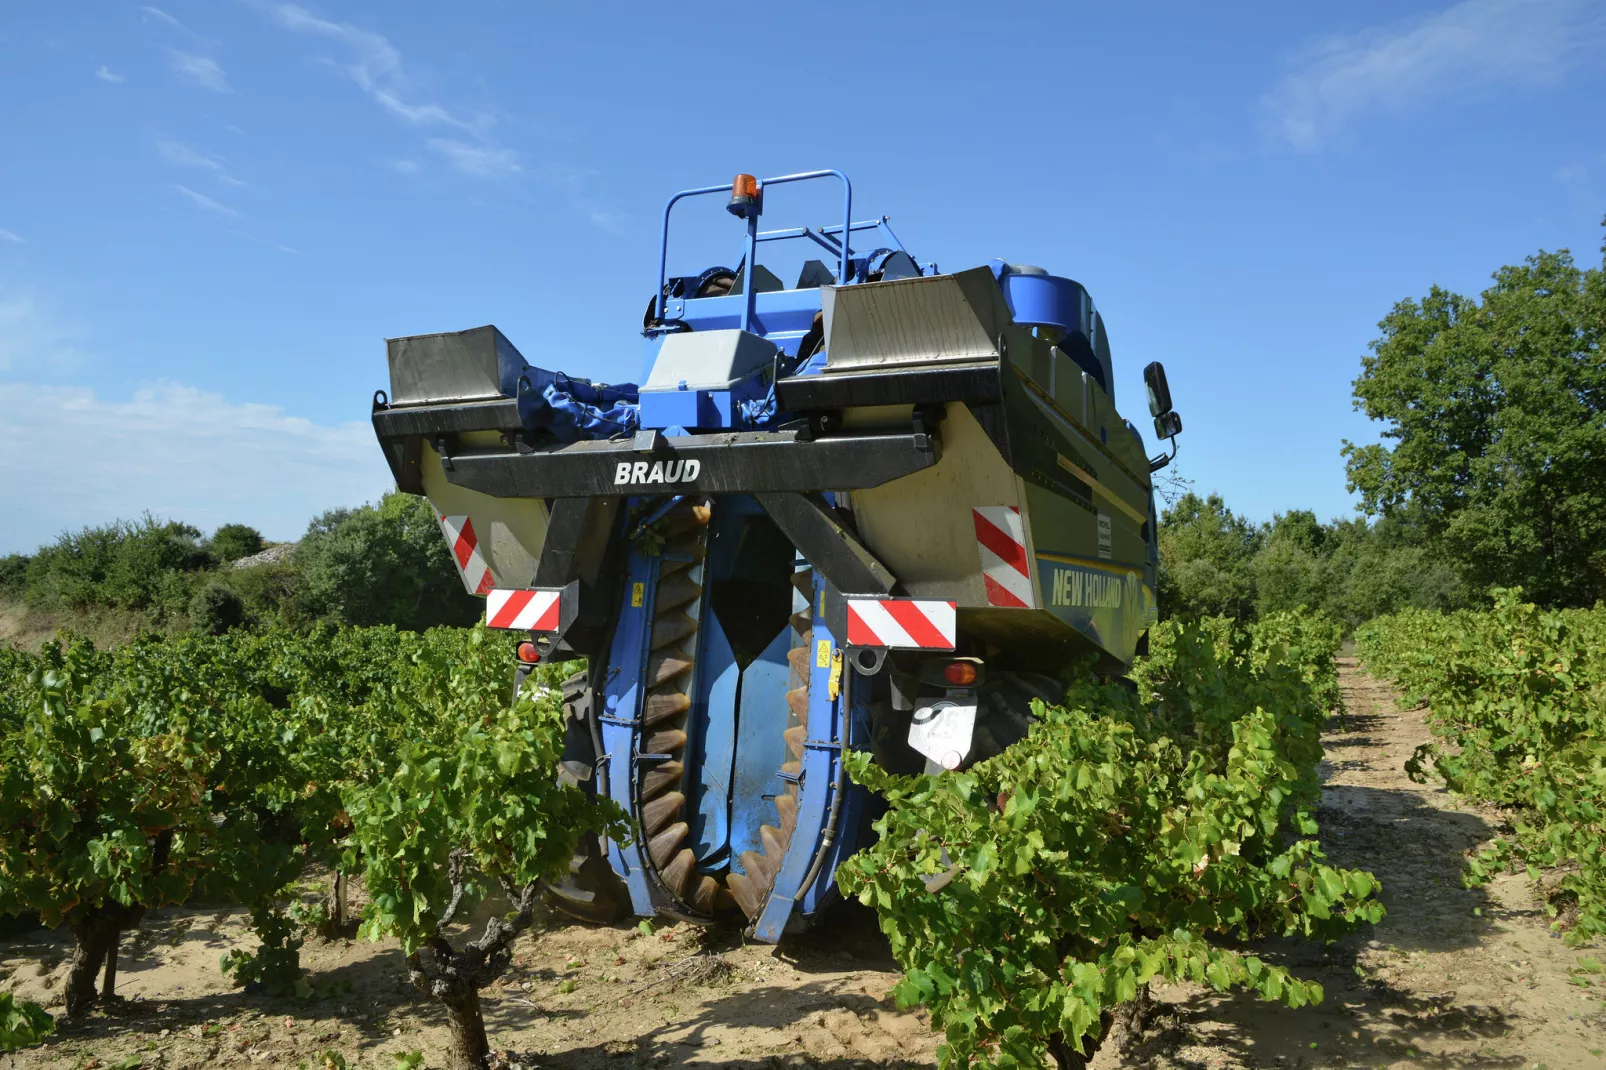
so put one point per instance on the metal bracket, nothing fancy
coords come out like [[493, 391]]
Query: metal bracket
[[576, 541], [821, 536]]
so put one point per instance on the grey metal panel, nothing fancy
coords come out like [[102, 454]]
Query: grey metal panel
[[456, 366], [941, 319], [708, 360], [499, 414], [897, 386]]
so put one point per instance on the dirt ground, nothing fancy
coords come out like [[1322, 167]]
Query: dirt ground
[[1452, 978]]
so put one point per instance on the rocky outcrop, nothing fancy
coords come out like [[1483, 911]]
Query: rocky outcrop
[[272, 555]]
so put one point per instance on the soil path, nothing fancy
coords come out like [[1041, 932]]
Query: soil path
[[1452, 978]]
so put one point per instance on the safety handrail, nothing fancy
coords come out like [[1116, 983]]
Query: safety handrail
[[752, 234]]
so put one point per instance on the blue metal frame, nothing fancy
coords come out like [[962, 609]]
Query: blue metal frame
[[753, 236], [817, 784], [736, 757], [623, 690]]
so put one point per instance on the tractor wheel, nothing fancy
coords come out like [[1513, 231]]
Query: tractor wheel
[[1004, 710], [591, 891]]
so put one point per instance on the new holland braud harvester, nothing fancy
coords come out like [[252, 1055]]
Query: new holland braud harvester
[[882, 508]]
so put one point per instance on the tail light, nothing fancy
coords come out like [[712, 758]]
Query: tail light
[[959, 673]]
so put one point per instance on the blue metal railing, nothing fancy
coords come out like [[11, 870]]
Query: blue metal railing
[[753, 237]]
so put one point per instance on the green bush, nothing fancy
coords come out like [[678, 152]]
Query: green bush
[[1131, 837], [14, 575], [1215, 562], [215, 609], [385, 564], [1205, 552], [148, 565], [374, 565], [234, 541], [270, 593]]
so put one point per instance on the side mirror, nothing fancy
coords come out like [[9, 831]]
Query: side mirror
[[1159, 391], [1167, 425]]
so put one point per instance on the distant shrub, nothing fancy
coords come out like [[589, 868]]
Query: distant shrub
[[270, 592], [215, 609], [149, 565], [234, 541], [14, 574], [384, 564], [374, 565]]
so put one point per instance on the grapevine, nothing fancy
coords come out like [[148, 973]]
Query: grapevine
[[1517, 702], [1115, 846]]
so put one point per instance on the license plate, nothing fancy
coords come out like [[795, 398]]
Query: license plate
[[942, 732]]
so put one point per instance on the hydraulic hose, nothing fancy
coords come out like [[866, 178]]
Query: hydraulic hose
[[828, 836]]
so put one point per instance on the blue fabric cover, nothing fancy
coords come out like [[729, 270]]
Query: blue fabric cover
[[571, 409]]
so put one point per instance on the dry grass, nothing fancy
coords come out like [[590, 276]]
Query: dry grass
[[25, 628]]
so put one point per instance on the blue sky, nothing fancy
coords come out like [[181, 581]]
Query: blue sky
[[212, 212]]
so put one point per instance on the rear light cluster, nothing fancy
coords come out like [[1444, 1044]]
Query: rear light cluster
[[959, 673], [527, 653]]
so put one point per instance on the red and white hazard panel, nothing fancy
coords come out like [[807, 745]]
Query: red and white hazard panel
[[523, 610], [465, 544], [1005, 568], [901, 623]]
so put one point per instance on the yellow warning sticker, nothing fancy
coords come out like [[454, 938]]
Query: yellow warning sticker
[[822, 653], [638, 592], [821, 610], [834, 684]]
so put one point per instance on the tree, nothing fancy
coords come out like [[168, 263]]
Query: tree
[[1205, 553], [1496, 411], [382, 565], [150, 564], [1288, 570], [234, 541], [1384, 567]]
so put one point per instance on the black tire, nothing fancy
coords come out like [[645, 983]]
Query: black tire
[[591, 892], [1004, 713]]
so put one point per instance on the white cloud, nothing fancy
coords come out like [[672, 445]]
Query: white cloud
[[9, 235], [32, 337], [406, 167], [183, 156], [162, 16], [107, 75], [476, 160], [179, 452], [1470, 45], [375, 65], [203, 201], [201, 70]]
